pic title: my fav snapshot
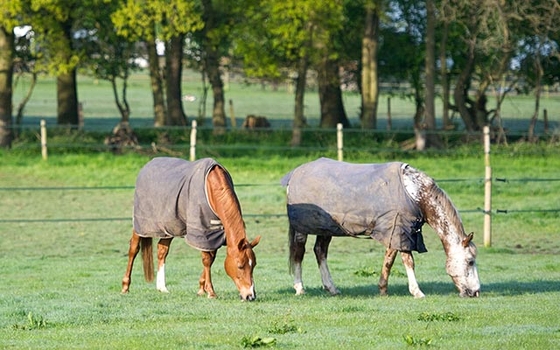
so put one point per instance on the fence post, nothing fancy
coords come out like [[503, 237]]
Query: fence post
[[44, 151], [193, 142], [487, 190], [339, 141]]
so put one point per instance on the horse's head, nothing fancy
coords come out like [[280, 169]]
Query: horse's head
[[461, 266], [239, 264]]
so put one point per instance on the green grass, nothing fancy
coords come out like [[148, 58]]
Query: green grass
[[61, 278]]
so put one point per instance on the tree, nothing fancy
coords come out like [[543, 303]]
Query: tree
[[329, 26], [56, 23], [169, 21], [369, 77], [110, 57], [276, 43], [6, 77]]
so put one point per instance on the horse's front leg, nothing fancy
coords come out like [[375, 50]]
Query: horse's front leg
[[205, 280], [321, 250], [133, 250], [163, 250], [408, 261], [390, 255]]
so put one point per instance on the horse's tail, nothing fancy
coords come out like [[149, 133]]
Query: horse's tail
[[147, 258], [292, 241]]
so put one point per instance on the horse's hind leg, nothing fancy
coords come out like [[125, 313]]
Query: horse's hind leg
[[206, 278], [133, 250], [408, 261], [390, 255], [321, 250], [297, 251], [163, 250]]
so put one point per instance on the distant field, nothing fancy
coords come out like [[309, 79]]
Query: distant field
[[63, 258], [274, 103]]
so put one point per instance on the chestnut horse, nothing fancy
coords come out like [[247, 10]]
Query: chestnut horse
[[197, 201], [389, 202]]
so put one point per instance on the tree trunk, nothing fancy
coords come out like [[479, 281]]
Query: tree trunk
[[6, 77], [67, 99], [299, 115], [460, 94], [370, 83], [215, 79], [429, 92], [156, 83], [539, 73], [174, 70], [444, 77], [66, 85], [212, 66], [330, 94]]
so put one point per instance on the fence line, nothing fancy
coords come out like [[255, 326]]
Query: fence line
[[487, 211]]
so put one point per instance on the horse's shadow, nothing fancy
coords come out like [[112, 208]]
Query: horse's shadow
[[506, 288]]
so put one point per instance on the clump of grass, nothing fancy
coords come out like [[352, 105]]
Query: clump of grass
[[33, 322], [412, 341], [284, 328], [256, 341], [446, 316], [365, 272]]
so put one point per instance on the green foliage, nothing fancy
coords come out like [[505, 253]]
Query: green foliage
[[412, 341], [256, 341], [446, 316]]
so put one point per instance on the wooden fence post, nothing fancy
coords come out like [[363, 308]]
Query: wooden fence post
[[44, 151], [339, 141], [487, 190], [193, 142]]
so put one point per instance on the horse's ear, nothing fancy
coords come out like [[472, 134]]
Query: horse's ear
[[468, 240], [255, 241], [244, 244]]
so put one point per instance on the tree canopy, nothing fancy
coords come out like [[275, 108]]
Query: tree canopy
[[457, 51]]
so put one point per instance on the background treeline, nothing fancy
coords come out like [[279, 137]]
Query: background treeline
[[459, 51]]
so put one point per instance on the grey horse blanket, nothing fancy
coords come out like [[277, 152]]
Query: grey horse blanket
[[342, 199], [170, 200]]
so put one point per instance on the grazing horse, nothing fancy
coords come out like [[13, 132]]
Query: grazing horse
[[389, 202], [194, 200]]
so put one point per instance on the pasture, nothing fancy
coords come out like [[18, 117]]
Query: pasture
[[63, 255]]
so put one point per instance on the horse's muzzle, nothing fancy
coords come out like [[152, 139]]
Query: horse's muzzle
[[470, 293], [249, 297]]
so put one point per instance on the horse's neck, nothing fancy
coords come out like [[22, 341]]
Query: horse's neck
[[436, 208], [444, 220], [224, 203]]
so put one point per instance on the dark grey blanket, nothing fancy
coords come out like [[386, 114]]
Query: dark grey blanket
[[342, 199], [170, 201]]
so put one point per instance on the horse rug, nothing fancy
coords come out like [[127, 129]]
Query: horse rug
[[170, 200], [328, 197]]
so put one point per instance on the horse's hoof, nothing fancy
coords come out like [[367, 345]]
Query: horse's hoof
[[299, 289]]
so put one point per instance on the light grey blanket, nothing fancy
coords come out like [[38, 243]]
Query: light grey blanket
[[170, 201], [342, 199]]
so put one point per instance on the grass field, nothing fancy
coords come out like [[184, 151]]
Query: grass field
[[62, 265]]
